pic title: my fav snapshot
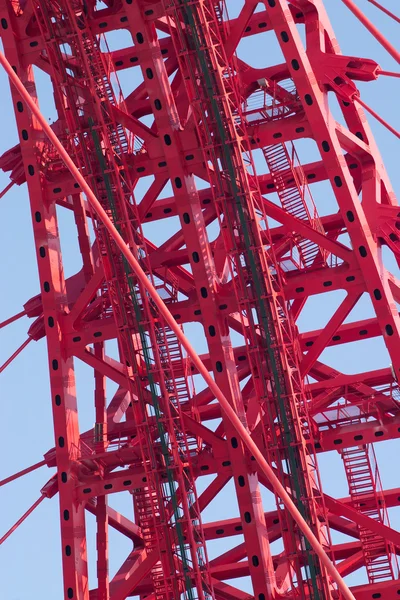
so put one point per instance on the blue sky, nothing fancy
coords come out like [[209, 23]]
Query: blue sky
[[30, 561]]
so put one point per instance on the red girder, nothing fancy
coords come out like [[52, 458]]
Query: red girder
[[159, 161]]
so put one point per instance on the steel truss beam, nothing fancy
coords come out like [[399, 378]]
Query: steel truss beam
[[75, 315]]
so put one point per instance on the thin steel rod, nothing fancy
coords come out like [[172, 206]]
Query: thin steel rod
[[42, 463], [385, 10], [388, 73], [21, 519], [12, 319], [166, 315], [372, 29], [8, 187], [377, 117], [15, 354]]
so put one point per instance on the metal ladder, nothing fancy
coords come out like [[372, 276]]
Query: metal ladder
[[362, 484], [294, 194], [148, 512], [165, 577], [218, 107], [180, 391]]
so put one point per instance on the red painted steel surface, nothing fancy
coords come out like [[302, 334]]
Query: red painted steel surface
[[244, 250]]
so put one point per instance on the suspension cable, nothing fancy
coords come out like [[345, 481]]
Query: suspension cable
[[15, 354], [357, 12], [42, 463], [377, 117], [12, 319], [21, 519], [165, 313], [385, 10]]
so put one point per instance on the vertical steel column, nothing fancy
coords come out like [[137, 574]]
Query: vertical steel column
[[52, 285], [216, 329]]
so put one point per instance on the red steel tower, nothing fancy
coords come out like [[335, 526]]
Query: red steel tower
[[201, 152]]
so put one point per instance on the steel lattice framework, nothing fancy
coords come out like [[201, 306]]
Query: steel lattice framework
[[250, 249]]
